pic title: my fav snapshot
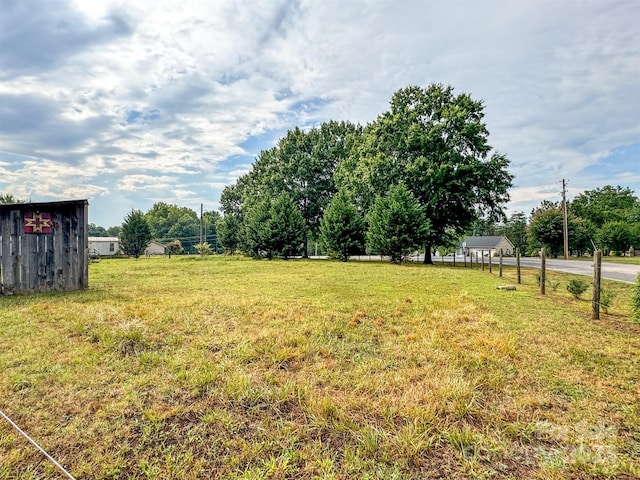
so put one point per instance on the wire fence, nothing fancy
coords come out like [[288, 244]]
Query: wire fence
[[33, 442]]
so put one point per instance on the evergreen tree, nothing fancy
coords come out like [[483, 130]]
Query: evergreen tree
[[228, 233], [256, 233], [342, 227], [286, 228], [397, 224], [135, 235]]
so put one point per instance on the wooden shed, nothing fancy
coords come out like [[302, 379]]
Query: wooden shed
[[43, 247]]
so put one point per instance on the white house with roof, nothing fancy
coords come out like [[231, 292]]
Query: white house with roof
[[104, 246], [486, 245], [155, 248]]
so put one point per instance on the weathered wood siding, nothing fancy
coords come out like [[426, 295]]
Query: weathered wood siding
[[44, 262]]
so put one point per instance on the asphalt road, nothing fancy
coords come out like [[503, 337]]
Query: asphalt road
[[612, 271]]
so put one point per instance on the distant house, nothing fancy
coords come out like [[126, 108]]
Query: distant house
[[104, 246], [155, 248], [489, 245]]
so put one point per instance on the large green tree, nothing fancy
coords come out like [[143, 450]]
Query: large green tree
[[97, 231], [342, 227], [515, 229], [616, 236], [171, 222], [437, 144], [136, 234], [302, 165], [114, 231], [546, 229], [606, 204], [397, 225]]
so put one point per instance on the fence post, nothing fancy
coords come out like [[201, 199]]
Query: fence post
[[597, 269], [543, 270], [518, 265], [490, 262], [500, 268], [464, 255], [482, 255]]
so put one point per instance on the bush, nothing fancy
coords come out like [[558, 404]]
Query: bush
[[203, 249], [635, 300], [606, 299], [576, 287]]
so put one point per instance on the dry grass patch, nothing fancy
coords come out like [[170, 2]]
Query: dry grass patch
[[232, 368]]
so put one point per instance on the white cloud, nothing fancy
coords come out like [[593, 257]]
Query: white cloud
[[136, 97]]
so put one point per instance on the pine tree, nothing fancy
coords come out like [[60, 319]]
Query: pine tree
[[342, 228], [286, 226], [135, 235], [397, 224]]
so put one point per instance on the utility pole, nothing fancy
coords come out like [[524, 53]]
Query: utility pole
[[201, 220], [565, 221]]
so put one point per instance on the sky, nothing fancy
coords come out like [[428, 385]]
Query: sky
[[128, 103]]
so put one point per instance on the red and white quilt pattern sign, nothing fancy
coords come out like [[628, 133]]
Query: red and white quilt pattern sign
[[35, 222]]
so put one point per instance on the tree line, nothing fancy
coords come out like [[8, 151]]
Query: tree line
[[178, 228], [418, 177], [605, 218]]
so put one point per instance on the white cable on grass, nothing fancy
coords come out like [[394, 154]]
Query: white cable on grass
[[36, 445]]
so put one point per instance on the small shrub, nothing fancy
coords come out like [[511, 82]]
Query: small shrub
[[554, 286], [635, 300], [576, 287], [606, 299], [203, 249]]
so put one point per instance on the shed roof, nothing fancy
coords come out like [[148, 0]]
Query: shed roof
[[41, 205]]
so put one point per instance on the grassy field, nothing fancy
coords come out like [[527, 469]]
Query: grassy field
[[241, 369]]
